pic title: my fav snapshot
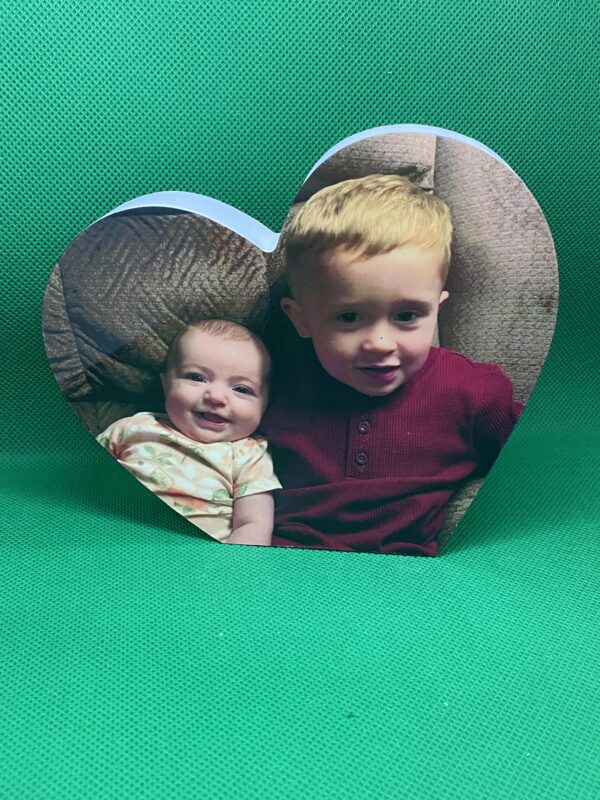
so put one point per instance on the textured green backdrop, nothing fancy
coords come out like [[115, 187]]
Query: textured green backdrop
[[139, 661]]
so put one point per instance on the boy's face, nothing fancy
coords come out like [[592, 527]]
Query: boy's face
[[371, 321], [215, 390]]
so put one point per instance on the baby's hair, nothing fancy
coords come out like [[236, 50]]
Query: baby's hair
[[370, 216], [225, 329]]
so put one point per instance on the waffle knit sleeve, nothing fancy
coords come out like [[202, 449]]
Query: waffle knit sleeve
[[496, 414]]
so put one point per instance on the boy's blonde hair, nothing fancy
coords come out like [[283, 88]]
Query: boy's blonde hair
[[371, 216], [225, 329]]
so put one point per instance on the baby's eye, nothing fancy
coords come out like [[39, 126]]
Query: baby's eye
[[243, 390], [195, 376], [406, 316], [348, 317]]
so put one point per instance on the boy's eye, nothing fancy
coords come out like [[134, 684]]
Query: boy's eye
[[348, 317], [195, 376], [243, 390], [406, 316]]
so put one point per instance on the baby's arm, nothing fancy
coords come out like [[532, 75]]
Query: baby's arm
[[253, 519]]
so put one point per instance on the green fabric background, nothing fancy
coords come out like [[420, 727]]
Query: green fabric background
[[139, 661]]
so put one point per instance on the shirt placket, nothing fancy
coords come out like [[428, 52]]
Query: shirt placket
[[359, 452]]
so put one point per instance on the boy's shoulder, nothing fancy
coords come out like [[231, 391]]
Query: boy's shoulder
[[461, 365], [464, 376], [456, 358]]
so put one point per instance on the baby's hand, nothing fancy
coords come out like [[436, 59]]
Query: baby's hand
[[252, 519]]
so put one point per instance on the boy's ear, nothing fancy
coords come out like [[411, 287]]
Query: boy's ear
[[443, 297], [294, 311]]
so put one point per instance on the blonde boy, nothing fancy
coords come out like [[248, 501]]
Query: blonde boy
[[374, 429], [201, 456]]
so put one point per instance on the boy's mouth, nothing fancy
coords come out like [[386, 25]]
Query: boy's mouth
[[382, 373]]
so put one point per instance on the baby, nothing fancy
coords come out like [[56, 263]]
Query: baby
[[374, 429], [201, 457]]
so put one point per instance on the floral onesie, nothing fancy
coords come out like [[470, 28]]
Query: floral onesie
[[200, 481]]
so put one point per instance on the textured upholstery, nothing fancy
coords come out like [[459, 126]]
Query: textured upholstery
[[503, 280], [122, 290]]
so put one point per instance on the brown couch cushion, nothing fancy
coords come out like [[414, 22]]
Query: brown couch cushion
[[123, 288], [411, 154], [503, 279]]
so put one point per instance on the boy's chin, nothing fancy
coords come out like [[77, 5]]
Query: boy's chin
[[375, 386], [381, 392]]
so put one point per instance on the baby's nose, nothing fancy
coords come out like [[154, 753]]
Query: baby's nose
[[214, 395]]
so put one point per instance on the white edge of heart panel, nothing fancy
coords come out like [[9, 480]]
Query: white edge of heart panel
[[250, 228]]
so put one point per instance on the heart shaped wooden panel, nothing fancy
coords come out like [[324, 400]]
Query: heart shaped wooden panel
[[346, 384]]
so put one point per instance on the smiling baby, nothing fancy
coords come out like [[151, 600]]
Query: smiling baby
[[201, 456]]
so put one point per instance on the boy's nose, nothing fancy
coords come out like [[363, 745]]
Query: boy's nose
[[379, 340]]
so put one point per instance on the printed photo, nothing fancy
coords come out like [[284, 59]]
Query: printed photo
[[349, 390]]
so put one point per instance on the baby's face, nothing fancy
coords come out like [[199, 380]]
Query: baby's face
[[216, 390], [371, 321]]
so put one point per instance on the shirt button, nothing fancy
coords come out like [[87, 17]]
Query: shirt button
[[361, 459], [364, 426]]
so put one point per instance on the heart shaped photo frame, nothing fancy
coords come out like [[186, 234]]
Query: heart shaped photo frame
[[346, 384]]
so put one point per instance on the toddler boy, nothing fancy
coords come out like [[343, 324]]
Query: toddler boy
[[373, 429]]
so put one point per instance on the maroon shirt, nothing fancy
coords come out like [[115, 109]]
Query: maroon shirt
[[375, 474]]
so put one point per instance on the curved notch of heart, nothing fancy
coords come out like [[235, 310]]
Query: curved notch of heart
[[250, 228]]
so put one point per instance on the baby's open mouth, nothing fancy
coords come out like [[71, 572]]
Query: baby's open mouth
[[216, 418]]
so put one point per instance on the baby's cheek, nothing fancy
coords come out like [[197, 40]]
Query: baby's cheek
[[185, 396], [176, 404]]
